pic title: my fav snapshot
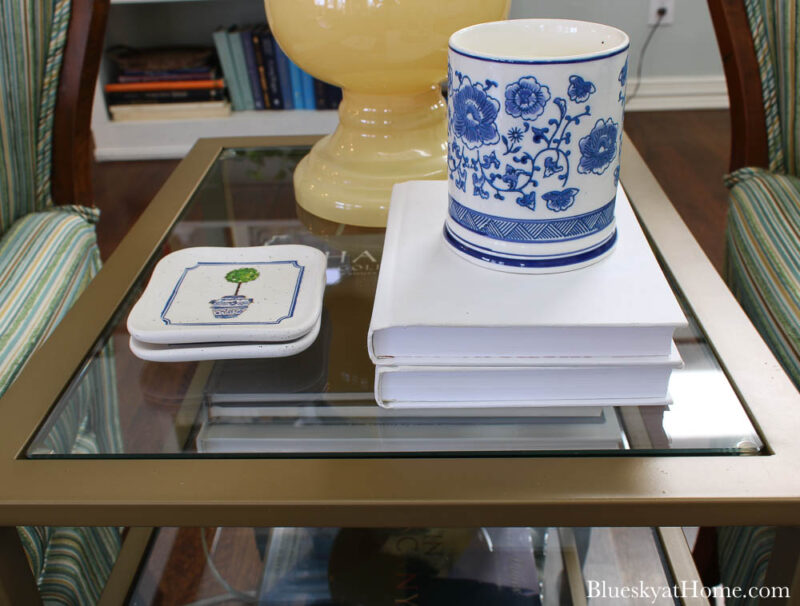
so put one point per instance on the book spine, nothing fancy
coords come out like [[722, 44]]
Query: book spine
[[384, 296], [320, 101], [255, 39], [226, 62], [283, 75], [118, 87], [239, 66], [163, 96], [296, 76], [333, 96], [271, 70], [246, 40], [168, 111], [308, 91], [166, 76]]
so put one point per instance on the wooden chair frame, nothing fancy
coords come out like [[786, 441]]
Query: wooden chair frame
[[748, 122], [73, 148]]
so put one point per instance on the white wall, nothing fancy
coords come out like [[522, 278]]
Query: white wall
[[682, 68]]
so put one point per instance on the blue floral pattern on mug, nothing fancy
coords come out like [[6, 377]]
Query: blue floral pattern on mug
[[623, 79], [551, 167], [560, 200], [529, 112], [528, 200], [598, 148], [526, 98], [579, 89], [515, 134], [474, 115]]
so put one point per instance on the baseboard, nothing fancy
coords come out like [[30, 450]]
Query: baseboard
[[678, 93]]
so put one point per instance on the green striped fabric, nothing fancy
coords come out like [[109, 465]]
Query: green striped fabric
[[47, 101], [35, 540], [763, 244], [46, 259], [763, 271], [33, 34], [71, 565], [763, 265], [77, 561], [90, 406], [747, 551], [774, 25]]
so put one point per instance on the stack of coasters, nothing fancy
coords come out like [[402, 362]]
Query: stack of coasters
[[446, 333], [212, 303]]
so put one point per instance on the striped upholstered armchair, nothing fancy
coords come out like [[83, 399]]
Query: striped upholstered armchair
[[760, 52], [49, 59]]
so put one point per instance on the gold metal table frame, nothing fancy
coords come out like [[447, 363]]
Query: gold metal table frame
[[492, 491]]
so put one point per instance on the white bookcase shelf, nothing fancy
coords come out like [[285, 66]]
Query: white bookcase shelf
[[141, 23], [161, 139]]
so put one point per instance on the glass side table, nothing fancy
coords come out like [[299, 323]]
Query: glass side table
[[300, 442]]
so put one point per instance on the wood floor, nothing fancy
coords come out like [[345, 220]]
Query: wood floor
[[687, 152]]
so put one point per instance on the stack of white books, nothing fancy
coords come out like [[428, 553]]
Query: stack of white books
[[447, 333]]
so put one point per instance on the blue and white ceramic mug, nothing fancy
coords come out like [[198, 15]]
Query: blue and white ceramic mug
[[535, 112]]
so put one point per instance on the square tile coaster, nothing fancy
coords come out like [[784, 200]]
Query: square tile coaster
[[194, 352], [264, 294]]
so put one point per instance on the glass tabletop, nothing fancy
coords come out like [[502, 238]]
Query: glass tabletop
[[320, 402]]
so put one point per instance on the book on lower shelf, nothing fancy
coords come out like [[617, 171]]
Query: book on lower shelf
[[433, 308], [169, 111], [164, 96]]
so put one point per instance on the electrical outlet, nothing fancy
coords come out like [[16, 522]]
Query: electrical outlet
[[669, 16]]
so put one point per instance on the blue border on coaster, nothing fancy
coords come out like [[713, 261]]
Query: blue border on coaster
[[574, 259], [289, 313]]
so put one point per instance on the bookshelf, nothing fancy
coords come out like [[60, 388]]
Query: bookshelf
[[141, 23]]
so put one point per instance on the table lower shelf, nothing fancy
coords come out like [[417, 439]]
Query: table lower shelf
[[316, 567]]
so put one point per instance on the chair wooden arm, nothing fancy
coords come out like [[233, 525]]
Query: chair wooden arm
[[748, 124], [71, 175]]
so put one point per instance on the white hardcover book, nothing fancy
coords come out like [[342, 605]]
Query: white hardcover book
[[434, 308], [625, 381]]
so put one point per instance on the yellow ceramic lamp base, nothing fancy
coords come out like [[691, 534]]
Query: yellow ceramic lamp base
[[389, 57], [381, 140]]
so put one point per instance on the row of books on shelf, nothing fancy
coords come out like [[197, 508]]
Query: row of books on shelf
[[260, 75], [181, 83]]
